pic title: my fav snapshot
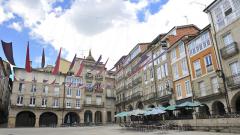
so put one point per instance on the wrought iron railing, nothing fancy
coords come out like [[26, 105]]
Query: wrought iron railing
[[229, 50]]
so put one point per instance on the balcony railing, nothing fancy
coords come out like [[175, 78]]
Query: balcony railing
[[165, 94], [149, 96], [93, 104], [137, 81], [99, 78], [209, 90], [89, 76], [110, 96], [209, 68], [229, 50], [233, 81]]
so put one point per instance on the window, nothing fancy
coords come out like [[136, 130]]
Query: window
[[227, 8], [45, 89], [202, 88], [68, 103], [32, 101], [164, 57], [235, 68], [88, 100], [159, 75], [175, 71], [34, 89], [215, 85], [219, 18], [78, 103], [151, 72], [69, 92], [181, 49], [78, 94], [145, 75], [179, 91], [227, 39], [188, 88], [44, 102], [197, 68], [208, 60], [20, 100], [166, 69], [109, 93], [173, 54], [56, 91], [98, 100], [184, 67], [55, 102], [162, 71], [160, 90], [21, 87]]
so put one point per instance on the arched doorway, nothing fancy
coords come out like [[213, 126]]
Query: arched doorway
[[218, 108], [204, 111], [130, 108], [88, 116], [151, 106], [48, 119], [98, 117], [25, 119], [139, 105], [235, 103], [71, 118]]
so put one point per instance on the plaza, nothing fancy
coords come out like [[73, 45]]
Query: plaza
[[95, 130]]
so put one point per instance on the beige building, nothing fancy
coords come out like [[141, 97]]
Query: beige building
[[225, 21], [5, 90], [42, 99]]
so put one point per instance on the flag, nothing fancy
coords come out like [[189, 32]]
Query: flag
[[43, 59], [28, 62], [73, 62], [80, 69], [53, 81], [57, 63], [98, 61], [7, 49], [103, 67]]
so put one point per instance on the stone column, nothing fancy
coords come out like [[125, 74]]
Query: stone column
[[37, 122], [11, 121], [104, 114]]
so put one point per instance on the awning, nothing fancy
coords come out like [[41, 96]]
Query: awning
[[136, 112], [170, 108], [154, 111], [189, 104], [121, 114]]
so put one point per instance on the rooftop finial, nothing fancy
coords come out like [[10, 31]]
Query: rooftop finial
[[89, 57]]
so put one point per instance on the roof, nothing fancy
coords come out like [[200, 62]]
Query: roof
[[37, 70], [120, 60], [209, 6]]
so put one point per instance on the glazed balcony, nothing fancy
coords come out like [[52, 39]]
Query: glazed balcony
[[233, 81], [229, 50], [137, 81], [164, 95], [99, 78], [93, 104], [89, 76], [209, 91]]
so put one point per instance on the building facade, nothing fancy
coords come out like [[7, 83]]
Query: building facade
[[225, 21], [5, 90], [42, 99]]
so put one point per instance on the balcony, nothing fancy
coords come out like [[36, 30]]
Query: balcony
[[137, 81], [165, 95], [99, 78], [89, 76], [149, 96], [229, 50], [209, 91], [233, 81], [110, 96], [209, 68], [129, 86], [93, 104]]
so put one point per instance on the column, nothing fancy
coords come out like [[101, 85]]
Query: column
[[37, 122], [11, 121]]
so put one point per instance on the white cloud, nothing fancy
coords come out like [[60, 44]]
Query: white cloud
[[4, 16], [108, 27], [38, 60], [16, 26]]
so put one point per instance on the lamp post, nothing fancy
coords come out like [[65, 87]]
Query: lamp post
[[221, 74]]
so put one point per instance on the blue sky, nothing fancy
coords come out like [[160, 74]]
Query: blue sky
[[20, 38], [77, 25]]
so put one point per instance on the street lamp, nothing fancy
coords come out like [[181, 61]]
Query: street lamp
[[221, 74]]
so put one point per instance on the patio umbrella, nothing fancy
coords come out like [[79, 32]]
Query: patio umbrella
[[189, 104], [136, 112], [121, 114], [162, 108], [171, 108], [154, 111]]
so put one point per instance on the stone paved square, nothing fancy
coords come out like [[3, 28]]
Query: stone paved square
[[95, 130]]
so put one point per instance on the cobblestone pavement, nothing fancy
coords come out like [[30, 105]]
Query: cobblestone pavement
[[99, 130]]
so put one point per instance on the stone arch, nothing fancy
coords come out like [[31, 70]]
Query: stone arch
[[71, 118], [235, 102], [98, 117], [130, 108], [48, 119], [25, 119], [139, 105], [218, 108], [151, 106], [204, 111], [87, 116]]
